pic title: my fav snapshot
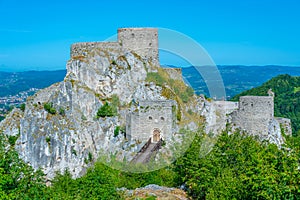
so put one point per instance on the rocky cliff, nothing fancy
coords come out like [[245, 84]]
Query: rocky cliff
[[59, 129]]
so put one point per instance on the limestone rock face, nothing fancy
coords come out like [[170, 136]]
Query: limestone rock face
[[108, 72], [72, 137], [11, 124]]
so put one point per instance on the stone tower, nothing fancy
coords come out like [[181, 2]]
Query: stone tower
[[254, 114], [152, 119], [143, 41]]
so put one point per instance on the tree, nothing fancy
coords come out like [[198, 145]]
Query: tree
[[17, 179], [240, 167]]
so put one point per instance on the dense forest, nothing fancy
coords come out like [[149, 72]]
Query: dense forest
[[237, 167], [287, 98]]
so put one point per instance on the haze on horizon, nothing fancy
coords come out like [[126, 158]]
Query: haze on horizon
[[37, 34]]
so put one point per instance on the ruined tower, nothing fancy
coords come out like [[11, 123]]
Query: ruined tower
[[254, 113], [142, 41]]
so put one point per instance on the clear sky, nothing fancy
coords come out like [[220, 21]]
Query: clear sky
[[38, 34]]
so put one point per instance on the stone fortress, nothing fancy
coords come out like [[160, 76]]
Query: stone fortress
[[54, 142], [155, 119], [142, 41], [152, 118], [255, 114]]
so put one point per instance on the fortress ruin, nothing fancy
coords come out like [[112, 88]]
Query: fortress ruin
[[255, 114], [155, 119], [142, 41], [152, 119]]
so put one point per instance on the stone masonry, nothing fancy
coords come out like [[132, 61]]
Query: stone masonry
[[255, 114], [142, 41], [151, 119]]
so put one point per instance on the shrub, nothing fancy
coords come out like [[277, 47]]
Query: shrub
[[190, 91], [62, 111], [115, 101], [106, 111], [114, 62], [22, 107], [48, 140], [116, 131], [12, 139], [74, 152], [49, 108], [90, 156], [52, 111]]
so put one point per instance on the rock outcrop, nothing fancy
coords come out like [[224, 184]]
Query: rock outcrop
[[59, 128], [155, 191], [72, 137]]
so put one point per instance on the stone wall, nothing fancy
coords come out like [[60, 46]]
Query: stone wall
[[254, 114], [142, 41], [82, 48], [151, 115]]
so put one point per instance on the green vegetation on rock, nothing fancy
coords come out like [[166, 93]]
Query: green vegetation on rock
[[178, 88], [172, 89], [49, 108], [22, 107], [107, 110], [17, 179]]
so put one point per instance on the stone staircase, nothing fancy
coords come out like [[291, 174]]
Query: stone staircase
[[148, 151]]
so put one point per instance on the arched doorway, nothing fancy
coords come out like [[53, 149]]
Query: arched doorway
[[156, 135]]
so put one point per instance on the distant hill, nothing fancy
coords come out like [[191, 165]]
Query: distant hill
[[287, 97], [11, 83], [238, 78]]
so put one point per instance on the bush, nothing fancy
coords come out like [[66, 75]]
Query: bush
[[106, 111], [22, 107], [90, 156], [49, 108], [12, 139], [48, 140], [116, 131], [62, 112], [239, 167], [189, 91]]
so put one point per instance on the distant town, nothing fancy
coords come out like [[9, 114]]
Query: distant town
[[11, 101]]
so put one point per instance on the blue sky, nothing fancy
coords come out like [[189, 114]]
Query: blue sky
[[38, 34]]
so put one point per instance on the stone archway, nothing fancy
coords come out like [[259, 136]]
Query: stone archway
[[156, 135]]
